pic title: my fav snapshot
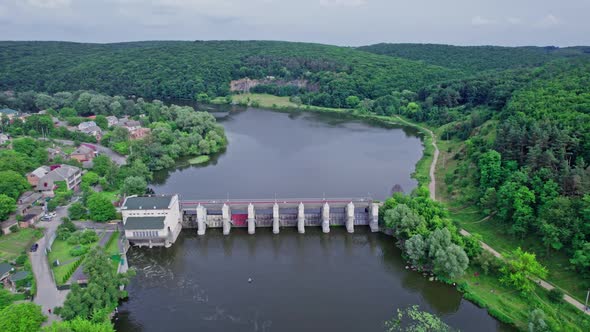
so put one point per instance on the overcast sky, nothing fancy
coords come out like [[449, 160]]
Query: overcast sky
[[340, 22]]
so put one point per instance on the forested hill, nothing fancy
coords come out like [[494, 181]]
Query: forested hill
[[472, 59], [183, 69]]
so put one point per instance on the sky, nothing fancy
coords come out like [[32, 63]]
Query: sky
[[338, 22]]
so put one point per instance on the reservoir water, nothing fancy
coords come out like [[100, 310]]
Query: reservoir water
[[311, 282]]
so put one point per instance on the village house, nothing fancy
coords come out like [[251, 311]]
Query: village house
[[27, 201], [4, 140], [85, 152], [112, 120], [90, 128], [5, 270], [138, 132], [37, 174], [127, 123], [10, 113], [151, 220], [54, 153], [71, 175], [7, 224]]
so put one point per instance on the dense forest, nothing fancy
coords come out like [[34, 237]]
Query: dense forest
[[185, 69], [473, 59], [517, 119]]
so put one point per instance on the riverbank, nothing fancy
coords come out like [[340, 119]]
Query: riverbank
[[500, 301]]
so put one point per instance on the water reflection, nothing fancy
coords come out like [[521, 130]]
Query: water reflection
[[312, 281]]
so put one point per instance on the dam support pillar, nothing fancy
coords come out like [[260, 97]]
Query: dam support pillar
[[251, 219], [201, 217], [350, 217], [225, 214], [326, 218], [275, 219], [301, 219], [374, 217]]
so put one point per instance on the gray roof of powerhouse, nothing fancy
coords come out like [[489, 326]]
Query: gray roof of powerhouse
[[134, 223], [147, 203]]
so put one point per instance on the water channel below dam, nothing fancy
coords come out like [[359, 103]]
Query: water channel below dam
[[301, 282]]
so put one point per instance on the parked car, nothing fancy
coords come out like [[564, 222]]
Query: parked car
[[46, 217], [52, 214], [34, 247]]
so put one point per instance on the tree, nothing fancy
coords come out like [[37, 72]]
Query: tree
[[451, 261], [352, 101], [404, 221], [12, 184], [102, 122], [89, 179], [134, 185], [581, 258], [77, 211], [25, 145], [438, 240], [79, 325], [520, 270], [100, 208], [416, 249], [490, 170], [413, 320], [537, 321], [102, 294], [22, 317], [7, 206]]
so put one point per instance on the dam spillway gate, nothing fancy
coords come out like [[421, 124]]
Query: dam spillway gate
[[279, 213]]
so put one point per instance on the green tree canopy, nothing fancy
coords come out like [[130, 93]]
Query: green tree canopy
[[12, 184], [7, 206], [521, 270], [22, 317], [100, 208]]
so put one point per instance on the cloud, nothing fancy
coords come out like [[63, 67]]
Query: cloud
[[342, 3], [514, 20], [478, 20], [549, 20], [52, 4]]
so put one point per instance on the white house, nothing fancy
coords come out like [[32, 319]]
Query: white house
[[153, 220]]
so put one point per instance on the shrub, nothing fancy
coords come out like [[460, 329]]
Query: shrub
[[556, 295], [88, 236], [78, 251], [20, 260], [14, 229], [74, 238], [500, 316]]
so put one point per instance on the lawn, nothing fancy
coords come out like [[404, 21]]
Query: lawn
[[12, 245], [509, 305], [199, 160], [61, 250], [264, 100]]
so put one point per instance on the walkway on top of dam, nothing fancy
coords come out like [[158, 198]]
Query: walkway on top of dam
[[295, 201]]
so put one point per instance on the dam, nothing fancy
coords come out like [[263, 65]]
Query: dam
[[279, 213]]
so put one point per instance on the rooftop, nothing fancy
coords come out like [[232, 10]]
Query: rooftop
[[133, 223], [40, 171], [153, 202], [20, 275], [7, 111], [4, 268]]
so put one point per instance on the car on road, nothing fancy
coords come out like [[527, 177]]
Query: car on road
[[52, 214], [34, 247]]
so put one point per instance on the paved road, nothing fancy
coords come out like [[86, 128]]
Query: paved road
[[117, 158], [47, 296]]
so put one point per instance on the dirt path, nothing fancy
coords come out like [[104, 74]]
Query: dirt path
[[485, 246]]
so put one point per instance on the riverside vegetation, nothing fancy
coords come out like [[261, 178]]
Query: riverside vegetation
[[513, 125]]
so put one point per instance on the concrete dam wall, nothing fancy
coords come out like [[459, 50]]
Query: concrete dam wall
[[278, 213]]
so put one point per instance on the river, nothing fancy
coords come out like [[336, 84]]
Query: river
[[312, 282]]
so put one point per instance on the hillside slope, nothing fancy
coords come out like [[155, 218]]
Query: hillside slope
[[183, 69], [472, 59]]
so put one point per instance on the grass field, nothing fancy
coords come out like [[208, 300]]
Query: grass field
[[12, 245], [510, 306], [199, 160]]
